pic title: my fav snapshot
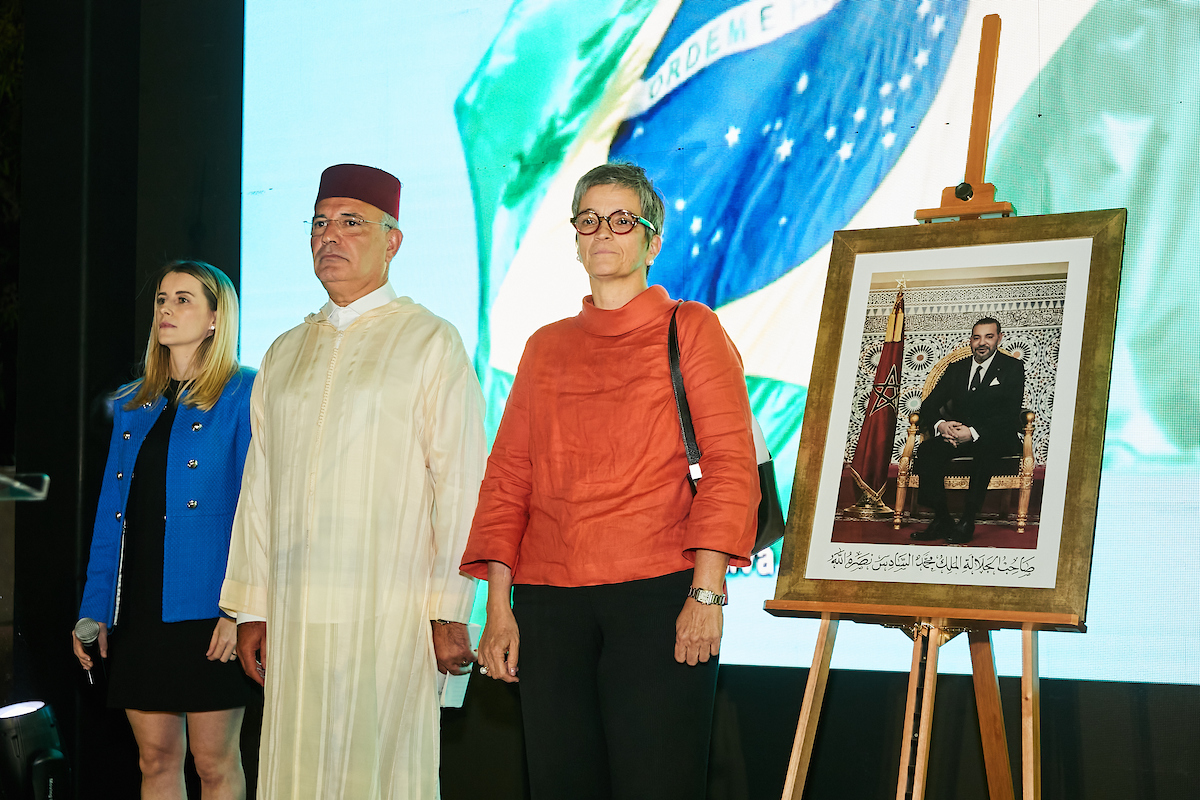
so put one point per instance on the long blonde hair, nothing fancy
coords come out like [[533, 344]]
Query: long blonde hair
[[216, 357]]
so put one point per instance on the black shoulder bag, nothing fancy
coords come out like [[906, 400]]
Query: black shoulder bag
[[770, 513]]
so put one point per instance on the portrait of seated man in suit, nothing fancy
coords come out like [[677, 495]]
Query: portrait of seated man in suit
[[974, 410]]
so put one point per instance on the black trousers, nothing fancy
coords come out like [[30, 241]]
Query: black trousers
[[608, 712], [933, 461]]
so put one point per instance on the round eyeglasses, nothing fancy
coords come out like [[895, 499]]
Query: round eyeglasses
[[619, 222], [353, 225]]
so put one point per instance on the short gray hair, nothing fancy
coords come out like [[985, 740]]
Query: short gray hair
[[388, 223], [629, 176]]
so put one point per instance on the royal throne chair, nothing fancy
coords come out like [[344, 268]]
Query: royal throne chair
[[1016, 471]]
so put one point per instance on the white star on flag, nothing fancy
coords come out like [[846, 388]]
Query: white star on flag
[[802, 84], [784, 150], [680, 204], [886, 89], [889, 139], [921, 59], [696, 225], [845, 150], [939, 25], [731, 136], [830, 132], [905, 82], [887, 116], [924, 8], [860, 114]]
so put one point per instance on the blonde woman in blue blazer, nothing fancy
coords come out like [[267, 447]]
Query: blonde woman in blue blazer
[[161, 539]]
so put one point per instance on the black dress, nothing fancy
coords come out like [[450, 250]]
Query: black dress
[[155, 665]]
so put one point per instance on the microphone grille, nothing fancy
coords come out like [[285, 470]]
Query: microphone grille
[[88, 630]]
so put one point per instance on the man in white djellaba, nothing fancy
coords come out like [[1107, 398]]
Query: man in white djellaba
[[363, 472]]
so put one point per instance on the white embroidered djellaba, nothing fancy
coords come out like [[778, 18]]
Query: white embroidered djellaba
[[356, 502]]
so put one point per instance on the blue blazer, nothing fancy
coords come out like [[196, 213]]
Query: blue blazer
[[205, 456]]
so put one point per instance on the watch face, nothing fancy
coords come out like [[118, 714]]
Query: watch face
[[706, 596]]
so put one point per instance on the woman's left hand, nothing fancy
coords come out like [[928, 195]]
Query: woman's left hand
[[223, 645], [698, 627], [698, 632]]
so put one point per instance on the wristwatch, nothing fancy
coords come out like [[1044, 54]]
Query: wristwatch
[[707, 597]]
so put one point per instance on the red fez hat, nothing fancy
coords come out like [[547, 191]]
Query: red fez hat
[[367, 184]]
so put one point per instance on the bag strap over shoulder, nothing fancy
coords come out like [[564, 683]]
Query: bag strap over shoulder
[[681, 403], [770, 512]]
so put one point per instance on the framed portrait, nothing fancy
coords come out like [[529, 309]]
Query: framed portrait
[[1016, 412]]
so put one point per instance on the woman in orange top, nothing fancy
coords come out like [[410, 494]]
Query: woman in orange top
[[616, 570]]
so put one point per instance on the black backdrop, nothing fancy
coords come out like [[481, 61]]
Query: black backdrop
[[132, 156]]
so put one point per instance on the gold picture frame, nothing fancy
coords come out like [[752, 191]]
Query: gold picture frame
[[1095, 242]]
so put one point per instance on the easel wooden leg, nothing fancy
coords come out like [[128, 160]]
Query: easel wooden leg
[[810, 711], [991, 719], [918, 713], [1031, 717]]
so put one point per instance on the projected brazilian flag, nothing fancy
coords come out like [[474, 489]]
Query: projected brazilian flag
[[770, 124], [765, 125], [1096, 131]]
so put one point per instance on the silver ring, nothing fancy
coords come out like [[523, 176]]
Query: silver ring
[[482, 670]]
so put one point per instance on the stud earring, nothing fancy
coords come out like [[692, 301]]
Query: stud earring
[[212, 327]]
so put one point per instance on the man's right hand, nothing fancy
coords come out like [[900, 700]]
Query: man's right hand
[[959, 433], [252, 650], [952, 432]]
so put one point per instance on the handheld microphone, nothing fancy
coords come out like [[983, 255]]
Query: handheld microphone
[[87, 630]]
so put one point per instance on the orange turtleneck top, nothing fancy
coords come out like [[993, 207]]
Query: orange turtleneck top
[[587, 480]]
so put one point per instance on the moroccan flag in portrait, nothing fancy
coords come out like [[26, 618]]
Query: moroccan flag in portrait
[[873, 454]]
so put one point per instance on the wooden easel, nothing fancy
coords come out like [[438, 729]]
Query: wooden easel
[[973, 198], [930, 628], [929, 632]]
